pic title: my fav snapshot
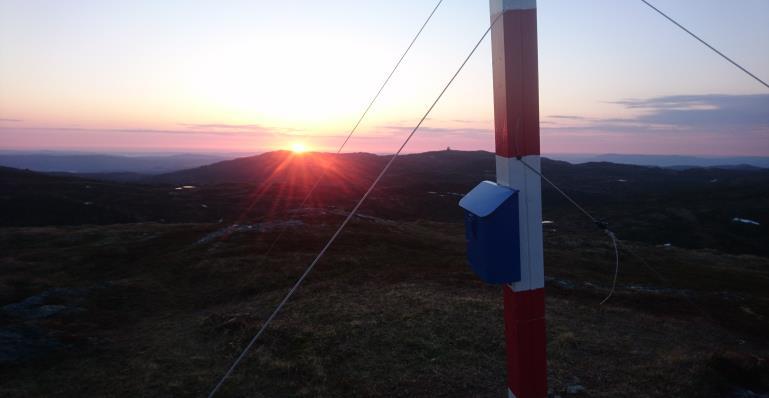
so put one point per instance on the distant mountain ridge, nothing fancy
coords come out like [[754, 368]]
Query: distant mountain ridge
[[116, 167], [438, 166], [282, 166], [271, 165], [97, 163], [688, 208], [674, 161]]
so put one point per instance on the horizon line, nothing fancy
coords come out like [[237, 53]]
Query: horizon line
[[139, 153]]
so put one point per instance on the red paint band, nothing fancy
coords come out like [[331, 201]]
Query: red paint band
[[524, 305], [525, 341], [526, 359], [516, 91]]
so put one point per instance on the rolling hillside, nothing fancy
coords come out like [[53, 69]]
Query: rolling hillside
[[149, 288], [693, 208]]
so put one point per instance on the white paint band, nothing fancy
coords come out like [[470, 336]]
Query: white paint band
[[512, 173]]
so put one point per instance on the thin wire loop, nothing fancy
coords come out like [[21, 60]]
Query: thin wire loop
[[616, 265]]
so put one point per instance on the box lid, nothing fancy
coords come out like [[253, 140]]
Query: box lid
[[485, 198]]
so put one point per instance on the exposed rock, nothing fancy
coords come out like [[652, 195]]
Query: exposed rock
[[258, 227], [18, 344], [746, 375], [562, 283], [50, 303], [743, 393], [575, 389]]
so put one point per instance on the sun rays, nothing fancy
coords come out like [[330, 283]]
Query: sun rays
[[289, 177], [299, 148]]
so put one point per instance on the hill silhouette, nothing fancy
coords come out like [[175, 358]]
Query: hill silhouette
[[690, 208], [85, 163]]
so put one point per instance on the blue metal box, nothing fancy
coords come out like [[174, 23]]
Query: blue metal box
[[491, 227]]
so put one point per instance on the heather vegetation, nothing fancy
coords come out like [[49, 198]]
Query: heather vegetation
[[142, 289]]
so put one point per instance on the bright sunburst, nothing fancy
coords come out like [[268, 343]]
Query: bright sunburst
[[299, 147]]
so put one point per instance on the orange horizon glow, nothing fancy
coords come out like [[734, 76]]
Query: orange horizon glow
[[122, 77]]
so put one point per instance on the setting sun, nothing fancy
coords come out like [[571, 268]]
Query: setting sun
[[299, 147]]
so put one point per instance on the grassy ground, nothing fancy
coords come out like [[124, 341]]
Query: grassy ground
[[391, 311]]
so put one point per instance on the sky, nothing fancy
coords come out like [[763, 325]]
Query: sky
[[256, 75]]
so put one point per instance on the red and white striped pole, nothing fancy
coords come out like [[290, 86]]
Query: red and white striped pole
[[516, 125]]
